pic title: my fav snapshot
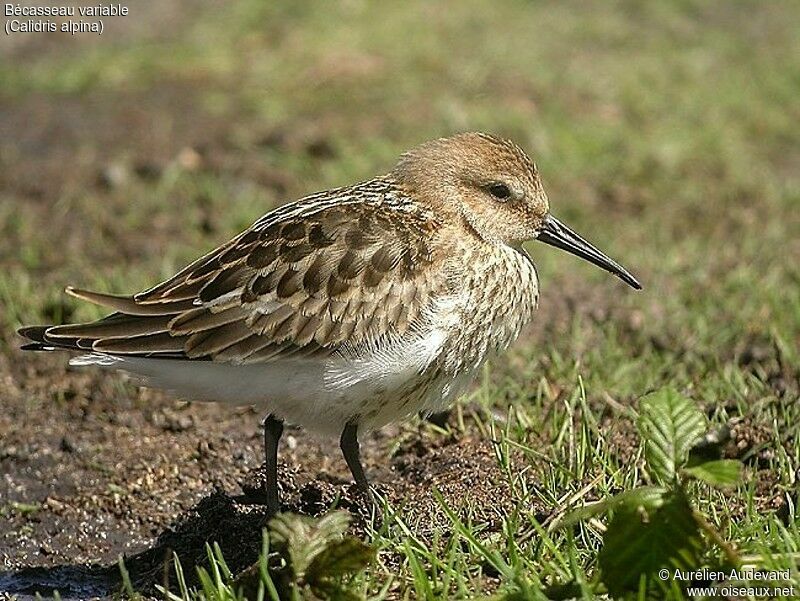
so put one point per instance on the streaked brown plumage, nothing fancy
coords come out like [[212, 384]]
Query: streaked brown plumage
[[377, 300]]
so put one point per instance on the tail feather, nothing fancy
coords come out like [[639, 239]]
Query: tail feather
[[132, 329], [37, 346], [33, 333], [176, 329], [128, 304], [40, 341], [139, 345], [117, 325]]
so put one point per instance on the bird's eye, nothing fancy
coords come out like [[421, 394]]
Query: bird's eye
[[500, 191]]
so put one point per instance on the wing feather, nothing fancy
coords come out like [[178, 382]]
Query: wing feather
[[342, 268]]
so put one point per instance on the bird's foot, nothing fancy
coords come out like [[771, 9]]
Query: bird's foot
[[259, 496], [257, 490]]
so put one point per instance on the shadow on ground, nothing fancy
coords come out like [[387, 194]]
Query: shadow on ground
[[459, 464], [236, 527]]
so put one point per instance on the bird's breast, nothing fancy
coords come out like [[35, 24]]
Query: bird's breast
[[500, 293]]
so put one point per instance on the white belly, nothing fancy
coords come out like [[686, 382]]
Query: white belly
[[373, 386], [425, 369]]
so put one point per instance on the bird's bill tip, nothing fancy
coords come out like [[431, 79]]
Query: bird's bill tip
[[555, 233]]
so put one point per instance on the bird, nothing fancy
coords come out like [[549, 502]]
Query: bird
[[350, 308]]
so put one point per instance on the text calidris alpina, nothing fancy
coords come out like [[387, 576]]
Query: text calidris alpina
[[349, 308]]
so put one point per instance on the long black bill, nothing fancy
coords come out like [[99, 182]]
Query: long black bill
[[559, 235]]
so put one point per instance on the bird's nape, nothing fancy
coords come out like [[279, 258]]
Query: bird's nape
[[555, 233]]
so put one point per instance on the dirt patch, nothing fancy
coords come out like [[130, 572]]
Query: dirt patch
[[106, 139], [142, 476]]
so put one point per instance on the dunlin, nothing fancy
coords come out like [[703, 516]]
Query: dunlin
[[350, 308]]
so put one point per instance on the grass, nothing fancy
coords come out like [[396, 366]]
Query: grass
[[532, 558], [665, 132]]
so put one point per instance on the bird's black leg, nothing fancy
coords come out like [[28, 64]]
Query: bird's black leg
[[351, 451], [273, 428]]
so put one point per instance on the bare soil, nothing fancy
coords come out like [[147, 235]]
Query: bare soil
[[100, 472]]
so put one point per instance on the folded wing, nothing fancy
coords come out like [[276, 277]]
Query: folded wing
[[306, 279]]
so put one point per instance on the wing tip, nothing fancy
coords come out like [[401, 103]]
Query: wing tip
[[36, 338], [37, 346], [98, 298], [34, 333]]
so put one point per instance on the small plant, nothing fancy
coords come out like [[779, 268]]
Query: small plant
[[309, 560], [657, 527], [302, 559]]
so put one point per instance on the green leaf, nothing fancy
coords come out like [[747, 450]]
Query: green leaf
[[333, 591], [304, 538], [720, 472], [648, 498], [639, 543], [339, 558], [669, 424]]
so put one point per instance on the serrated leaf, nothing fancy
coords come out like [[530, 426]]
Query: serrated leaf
[[669, 424], [720, 472], [648, 498], [305, 538], [333, 591], [339, 558], [640, 543]]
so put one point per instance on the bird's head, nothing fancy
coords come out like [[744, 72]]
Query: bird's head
[[495, 187]]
